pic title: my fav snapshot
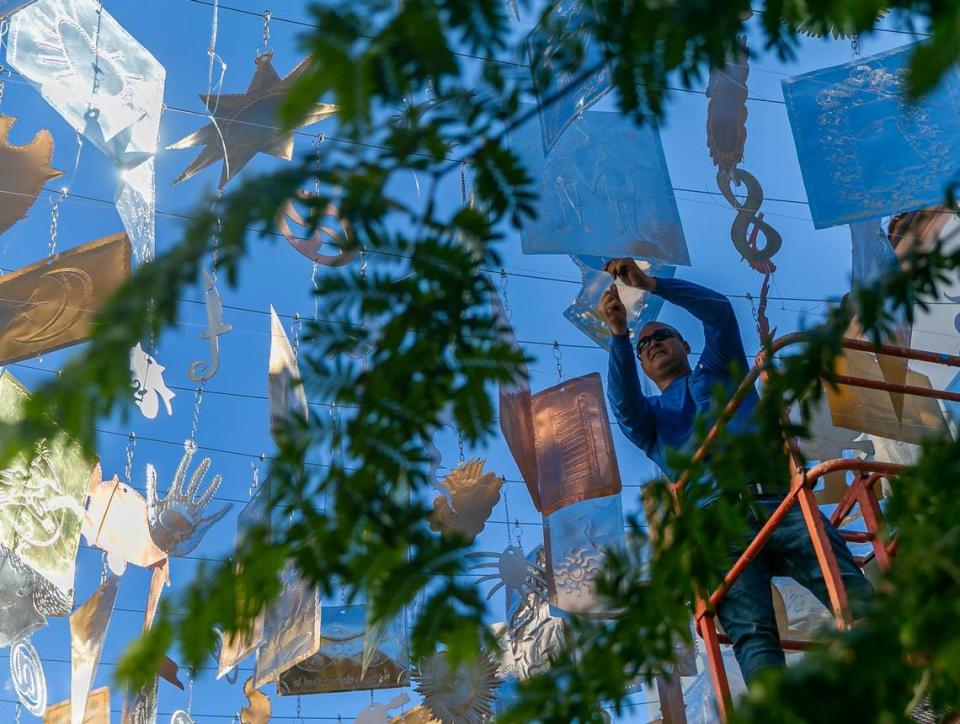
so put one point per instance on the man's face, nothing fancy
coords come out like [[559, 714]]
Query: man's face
[[662, 358]]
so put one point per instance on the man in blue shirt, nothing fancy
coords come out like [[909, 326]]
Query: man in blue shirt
[[658, 424]]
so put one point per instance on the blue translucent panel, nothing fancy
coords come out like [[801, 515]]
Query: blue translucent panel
[[864, 152], [604, 191], [573, 94], [953, 408], [584, 312], [575, 539]]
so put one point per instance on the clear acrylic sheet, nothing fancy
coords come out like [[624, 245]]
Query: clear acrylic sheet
[[864, 151], [107, 86], [584, 311], [575, 539], [338, 665], [604, 190]]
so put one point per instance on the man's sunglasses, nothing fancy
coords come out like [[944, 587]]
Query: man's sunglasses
[[659, 335]]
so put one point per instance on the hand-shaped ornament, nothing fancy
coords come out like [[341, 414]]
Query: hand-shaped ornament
[[176, 522]]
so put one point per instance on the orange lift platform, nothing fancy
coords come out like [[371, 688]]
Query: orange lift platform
[[861, 492]]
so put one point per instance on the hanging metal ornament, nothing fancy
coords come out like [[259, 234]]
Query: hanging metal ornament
[[148, 385], [285, 390], [176, 521], [41, 499], [468, 502], [52, 303], [201, 371], [458, 696], [97, 710], [115, 520], [417, 715], [159, 579], [245, 124], [378, 713], [291, 629], [26, 672], [88, 630], [513, 571], [323, 235], [140, 707], [20, 589], [106, 86], [23, 171], [181, 717], [584, 311], [748, 224], [241, 644], [258, 707], [353, 655], [532, 633]]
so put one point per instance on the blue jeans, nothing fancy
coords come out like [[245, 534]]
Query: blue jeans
[[746, 611]]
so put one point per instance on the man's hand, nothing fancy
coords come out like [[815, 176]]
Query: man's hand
[[613, 311], [630, 273]]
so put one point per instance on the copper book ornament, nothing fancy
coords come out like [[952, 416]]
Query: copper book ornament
[[576, 460], [52, 303]]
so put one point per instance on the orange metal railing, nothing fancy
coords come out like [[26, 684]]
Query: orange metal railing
[[802, 482]]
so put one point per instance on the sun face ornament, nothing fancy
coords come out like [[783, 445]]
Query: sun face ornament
[[458, 696], [513, 571]]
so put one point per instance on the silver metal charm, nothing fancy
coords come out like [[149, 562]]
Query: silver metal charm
[[176, 522], [513, 571], [148, 385], [201, 371], [26, 670], [181, 717]]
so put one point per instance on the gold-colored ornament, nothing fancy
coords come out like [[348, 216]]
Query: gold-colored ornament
[[41, 498], [88, 630], [115, 520], [245, 124], [417, 715], [96, 712], [258, 709], [472, 495], [458, 696], [52, 303], [23, 172]]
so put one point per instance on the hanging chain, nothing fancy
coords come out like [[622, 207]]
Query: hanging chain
[[17, 719], [195, 425], [104, 567], [2, 71], [503, 293], [264, 52], [55, 220], [215, 238], [558, 356], [506, 511], [317, 141], [299, 719], [190, 695], [295, 330], [460, 443], [128, 468], [316, 292], [463, 183], [855, 45], [518, 531]]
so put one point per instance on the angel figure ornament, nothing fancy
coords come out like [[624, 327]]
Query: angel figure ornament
[[246, 124], [23, 171], [471, 495], [458, 696], [148, 385], [177, 524]]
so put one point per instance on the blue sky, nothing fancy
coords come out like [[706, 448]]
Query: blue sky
[[813, 266]]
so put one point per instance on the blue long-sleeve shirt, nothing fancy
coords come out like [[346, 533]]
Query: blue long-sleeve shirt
[[657, 424]]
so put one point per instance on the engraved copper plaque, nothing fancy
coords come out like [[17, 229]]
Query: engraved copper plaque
[[41, 498], [873, 411], [291, 629], [97, 711], [338, 665], [52, 303], [575, 456]]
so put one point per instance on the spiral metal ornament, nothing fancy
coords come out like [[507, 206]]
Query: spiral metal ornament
[[26, 670]]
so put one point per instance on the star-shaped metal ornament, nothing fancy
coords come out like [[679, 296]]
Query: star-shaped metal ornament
[[245, 124]]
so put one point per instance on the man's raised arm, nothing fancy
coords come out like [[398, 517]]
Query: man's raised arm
[[630, 407]]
